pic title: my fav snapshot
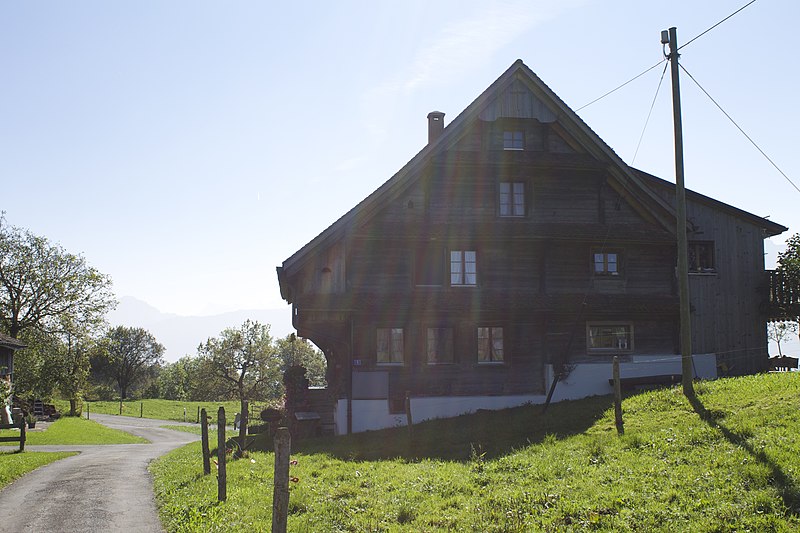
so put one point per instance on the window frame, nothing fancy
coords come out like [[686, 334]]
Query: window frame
[[391, 346], [463, 268], [513, 195], [448, 343], [610, 349], [693, 249], [606, 272], [513, 140], [491, 331]]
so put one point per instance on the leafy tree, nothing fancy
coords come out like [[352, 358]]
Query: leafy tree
[[299, 352], [244, 359], [129, 357], [41, 285]]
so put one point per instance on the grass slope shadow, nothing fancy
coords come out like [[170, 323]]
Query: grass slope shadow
[[488, 433]]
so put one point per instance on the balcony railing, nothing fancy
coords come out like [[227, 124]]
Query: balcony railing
[[784, 296]]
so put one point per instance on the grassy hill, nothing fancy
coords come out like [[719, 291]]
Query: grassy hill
[[728, 462]]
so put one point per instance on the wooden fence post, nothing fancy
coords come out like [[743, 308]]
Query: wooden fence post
[[120, 406], [243, 428], [204, 441], [141, 409], [222, 477], [22, 435], [280, 491], [87, 410], [198, 414], [617, 398]]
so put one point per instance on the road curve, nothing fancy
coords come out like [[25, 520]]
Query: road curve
[[102, 489]]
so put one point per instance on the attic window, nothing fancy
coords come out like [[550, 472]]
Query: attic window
[[513, 140]]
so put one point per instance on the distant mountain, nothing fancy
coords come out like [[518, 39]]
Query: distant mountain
[[181, 335]]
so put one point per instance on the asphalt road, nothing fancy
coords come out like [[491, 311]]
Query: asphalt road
[[102, 489]]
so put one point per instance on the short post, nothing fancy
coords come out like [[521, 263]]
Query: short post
[[198, 414], [243, 428], [184, 415], [204, 440], [22, 435], [222, 477], [120, 406], [617, 397], [141, 409], [280, 491], [87, 410]]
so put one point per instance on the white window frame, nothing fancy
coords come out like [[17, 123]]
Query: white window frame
[[513, 140], [620, 333], [512, 198], [463, 268], [491, 345], [389, 346]]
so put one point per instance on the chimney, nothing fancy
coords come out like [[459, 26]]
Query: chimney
[[435, 125]]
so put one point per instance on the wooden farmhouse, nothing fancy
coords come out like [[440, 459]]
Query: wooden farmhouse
[[514, 247]]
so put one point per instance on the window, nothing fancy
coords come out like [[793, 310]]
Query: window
[[463, 268], [512, 199], [606, 263], [513, 140], [440, 346], [701, 256], [609, 337], [390, 346], [490, 345]]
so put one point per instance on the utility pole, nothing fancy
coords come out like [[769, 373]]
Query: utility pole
[[671, 37]]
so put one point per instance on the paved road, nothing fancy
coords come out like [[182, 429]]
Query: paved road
[[102, 489]]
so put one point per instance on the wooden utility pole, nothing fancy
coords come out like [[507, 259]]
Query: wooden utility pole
[[280, 490], [687, 371], [222, 472]]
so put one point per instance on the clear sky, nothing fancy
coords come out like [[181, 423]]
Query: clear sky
[[187, 148]]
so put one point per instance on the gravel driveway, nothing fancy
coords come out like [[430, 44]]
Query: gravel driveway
[[103, 489]]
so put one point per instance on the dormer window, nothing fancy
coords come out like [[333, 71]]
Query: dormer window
[[513, 140]]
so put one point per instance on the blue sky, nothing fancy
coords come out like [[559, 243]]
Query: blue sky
[[188, 148]]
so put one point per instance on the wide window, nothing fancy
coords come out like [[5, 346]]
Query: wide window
[[440, 346], [512, 199], [490, 345], [513, 140], [701, 256], [609, 337], [463, 268], [606, 263], [390, 345]]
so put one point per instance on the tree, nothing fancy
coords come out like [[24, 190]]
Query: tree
[[41, 285], [130, 354], [245, 360], [299, 352], [780, 331]]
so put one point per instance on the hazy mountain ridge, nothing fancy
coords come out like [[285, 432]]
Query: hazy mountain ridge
[[181, 335]]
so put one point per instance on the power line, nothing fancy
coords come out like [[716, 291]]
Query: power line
[[657, 64], [687, 43], [652, 105], [739, 128], [621, 86]]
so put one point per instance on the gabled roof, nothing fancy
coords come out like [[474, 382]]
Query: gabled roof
[[484, 104], [770, 228], [11, 342], [546, 106]]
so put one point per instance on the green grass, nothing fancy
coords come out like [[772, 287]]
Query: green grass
[[157, 409], [14, 464], [72, 430], [728, 462]]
